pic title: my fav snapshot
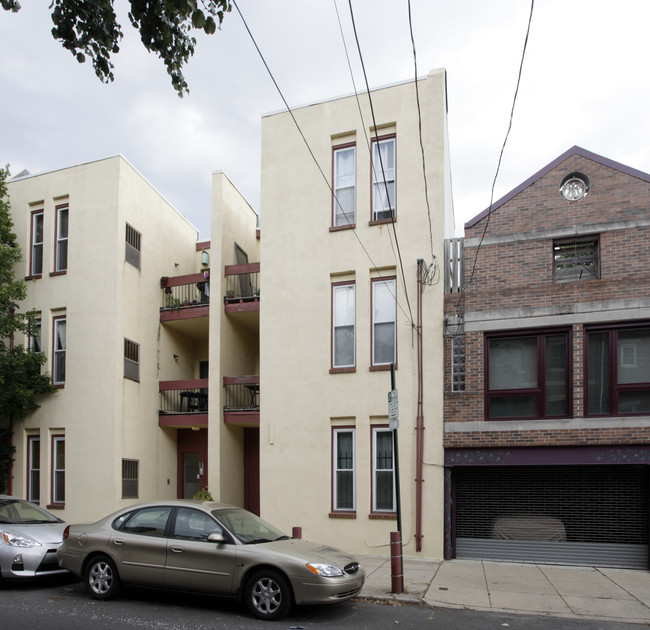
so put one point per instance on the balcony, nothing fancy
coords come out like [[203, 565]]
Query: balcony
[[183, 403], [242, 288], [241, 400], [185, 297]]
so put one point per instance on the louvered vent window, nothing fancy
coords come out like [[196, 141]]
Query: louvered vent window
[[130, 478], [131, 360], [132, 247], [576, 259]]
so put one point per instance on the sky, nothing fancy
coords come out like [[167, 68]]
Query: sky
[[585, 82]]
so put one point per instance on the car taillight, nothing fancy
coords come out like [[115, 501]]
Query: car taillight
[[66, 532]]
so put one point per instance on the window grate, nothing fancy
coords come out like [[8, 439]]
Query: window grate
[[131, 360], [576, 259], [130, 478], [133, 246]]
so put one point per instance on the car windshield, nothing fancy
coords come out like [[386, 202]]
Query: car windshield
[[248, 528], [18, 512]]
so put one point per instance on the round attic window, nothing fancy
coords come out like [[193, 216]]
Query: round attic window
[[574, 186]]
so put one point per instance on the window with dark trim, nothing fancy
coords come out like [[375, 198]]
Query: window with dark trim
[[59, 346], [133, 246], [383, 471], [343, 326], [58, 469], [36, 258], [528, 375], [130, 478], [383, 178], [343, 470], [34, 468], [61, 251], [344, 180], [384, 316], [576, 259], [131, 360], [618, 370]]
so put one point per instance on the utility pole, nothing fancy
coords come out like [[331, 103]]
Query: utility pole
[[397, 560]]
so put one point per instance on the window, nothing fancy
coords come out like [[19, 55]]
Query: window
[[528, 375], [458, 363], [147, 522], [344, 495], [130, 478], [58, 469], [343, 325], [61, 256], [383, 178], [34, 336], [384, 313], [36, 264], [59, 343], [383, 471], [618, 370], [576, 259], [131, 360], [194, 525], [132, 246], [345, 191], [34, 468]]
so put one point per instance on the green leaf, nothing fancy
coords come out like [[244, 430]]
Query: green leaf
[[198, 19]]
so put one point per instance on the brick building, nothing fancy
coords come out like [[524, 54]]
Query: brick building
[[547, 370]]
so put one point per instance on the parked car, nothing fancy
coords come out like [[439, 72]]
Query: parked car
[[208, 547], [29, 539]]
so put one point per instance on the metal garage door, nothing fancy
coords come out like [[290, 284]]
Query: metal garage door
[[579, 515]]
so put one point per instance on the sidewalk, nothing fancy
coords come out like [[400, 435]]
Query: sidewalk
[[575, 592]]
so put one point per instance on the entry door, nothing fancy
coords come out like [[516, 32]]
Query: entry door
[[252, 470], [192, 462]]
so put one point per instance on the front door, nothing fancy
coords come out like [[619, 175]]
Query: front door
[[252, 470], [192, 462]]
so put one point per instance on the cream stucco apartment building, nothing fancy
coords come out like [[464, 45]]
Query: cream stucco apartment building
[[177, 372]]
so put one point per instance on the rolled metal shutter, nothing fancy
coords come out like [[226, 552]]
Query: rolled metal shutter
[[601, 510]]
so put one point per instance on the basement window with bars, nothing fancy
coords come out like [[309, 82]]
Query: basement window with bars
[[132, 246], [576, 259], [131, 360], [458, 363], [130, 478]]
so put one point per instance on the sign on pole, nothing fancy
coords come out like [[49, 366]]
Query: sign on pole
[[393, 411]]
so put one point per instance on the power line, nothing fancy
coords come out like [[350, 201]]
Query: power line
[[302, 135], [512, 112], [374, 123]]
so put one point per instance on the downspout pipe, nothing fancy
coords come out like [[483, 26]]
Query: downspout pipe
[[419, 425]]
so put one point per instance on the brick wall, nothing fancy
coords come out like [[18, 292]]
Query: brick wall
[[519, 275]]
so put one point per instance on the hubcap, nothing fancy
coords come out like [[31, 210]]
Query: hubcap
[[101, 578], [267, 596]]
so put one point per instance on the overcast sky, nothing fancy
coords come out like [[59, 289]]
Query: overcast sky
[[585, 82]]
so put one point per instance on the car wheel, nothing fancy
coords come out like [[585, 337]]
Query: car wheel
[[268, 595], [101, 578]]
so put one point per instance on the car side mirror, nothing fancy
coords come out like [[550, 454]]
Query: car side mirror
[[216, 537]]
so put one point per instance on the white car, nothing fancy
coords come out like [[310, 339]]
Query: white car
[[29, 539]]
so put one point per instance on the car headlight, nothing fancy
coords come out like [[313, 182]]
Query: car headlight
[[325, 570], [16, 540]]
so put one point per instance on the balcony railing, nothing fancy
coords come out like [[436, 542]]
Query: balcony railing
[[242, 283], [185, 291], [184, 397], [242, 393]]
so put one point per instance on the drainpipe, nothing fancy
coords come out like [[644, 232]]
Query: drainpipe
[[419, 425]]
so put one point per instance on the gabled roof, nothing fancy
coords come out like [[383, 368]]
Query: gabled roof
[[576, 150]]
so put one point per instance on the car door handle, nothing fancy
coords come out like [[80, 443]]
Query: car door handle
[[176, 549], [118, 541]]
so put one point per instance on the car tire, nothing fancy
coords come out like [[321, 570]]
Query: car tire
[[267, 595], [102, 579]]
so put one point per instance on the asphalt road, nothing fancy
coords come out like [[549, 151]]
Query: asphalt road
[[58, 604]]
